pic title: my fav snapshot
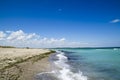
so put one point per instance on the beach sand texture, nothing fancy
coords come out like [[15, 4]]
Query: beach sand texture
[[23, 64]]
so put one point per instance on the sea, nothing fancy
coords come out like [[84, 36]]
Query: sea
[[83, 64]]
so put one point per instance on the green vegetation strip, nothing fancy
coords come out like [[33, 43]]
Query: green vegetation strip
[[6, 46]]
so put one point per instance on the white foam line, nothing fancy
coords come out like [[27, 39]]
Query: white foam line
[[65, 73]]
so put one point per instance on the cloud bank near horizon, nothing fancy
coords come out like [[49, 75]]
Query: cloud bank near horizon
[[21, 39]]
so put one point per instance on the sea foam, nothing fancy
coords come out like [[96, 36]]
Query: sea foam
[[63, 71]]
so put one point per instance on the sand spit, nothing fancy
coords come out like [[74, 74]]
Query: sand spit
[[23, 64]]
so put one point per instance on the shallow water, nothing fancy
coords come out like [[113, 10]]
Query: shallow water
[[84, 64]]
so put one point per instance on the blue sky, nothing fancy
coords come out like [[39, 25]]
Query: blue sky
[[83, 23]]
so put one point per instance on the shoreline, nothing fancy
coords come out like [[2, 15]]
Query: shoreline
[[26, 69]]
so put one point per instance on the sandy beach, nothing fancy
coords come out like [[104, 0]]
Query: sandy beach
[[23, 64]]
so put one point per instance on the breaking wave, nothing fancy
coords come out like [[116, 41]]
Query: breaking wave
[[63, 71]]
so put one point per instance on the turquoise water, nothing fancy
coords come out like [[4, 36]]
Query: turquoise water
[[84, 64], [96, 64]]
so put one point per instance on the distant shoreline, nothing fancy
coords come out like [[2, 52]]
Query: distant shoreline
[[23, 68], [85, 48]]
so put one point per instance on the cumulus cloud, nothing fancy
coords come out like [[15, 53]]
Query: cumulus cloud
[[115, 21], [2, 35], [21, 39], [20, 36]]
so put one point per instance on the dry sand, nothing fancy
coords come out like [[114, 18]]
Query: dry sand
[[12, 53], [23, 64]]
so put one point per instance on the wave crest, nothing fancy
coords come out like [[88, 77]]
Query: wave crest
[[64, 72]]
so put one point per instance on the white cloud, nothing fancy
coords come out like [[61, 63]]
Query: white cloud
[[2, 35], [8, 31], [16, 35], [21, 39], [115, 21]]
